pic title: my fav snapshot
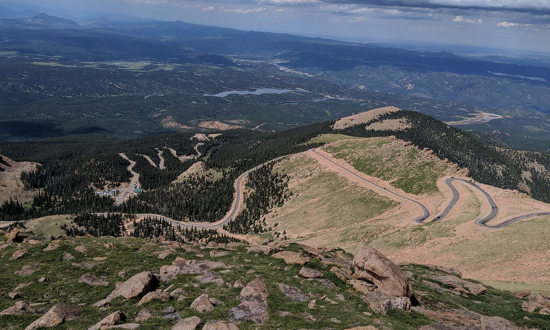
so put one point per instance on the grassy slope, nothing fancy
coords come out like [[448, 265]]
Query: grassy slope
[[63, 287], [323, 204], [324, 213], [406, 167]]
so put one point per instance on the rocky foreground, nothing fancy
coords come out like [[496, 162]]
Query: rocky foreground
[[126, 283]]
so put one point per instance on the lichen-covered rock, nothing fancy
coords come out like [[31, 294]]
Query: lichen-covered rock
[[293, 293], [20, 308], [372, 266], [219, 325], [202, 304], [158, 295], [110, 320], [381, 303], [55, 316], [90, 279], [190, 323], [458, 284], [306, 272], [135, 286]]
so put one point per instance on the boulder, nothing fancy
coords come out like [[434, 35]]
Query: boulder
[[342, 273], [67, 256], [537, 302], [522, 294], [293, 293], [110, 320], [183, 266], [219, 325], [371, 266], [164, 254], [81, 249], [250, 310], [20, 308], [447, 270], [13, 295], [143, 315], [202, 304], [265, 249], [381, 302], [18, 254], [291, 258], [52, 246], [190, 323], [27, 270], [158, 295], [254, 304], [459, 284], [55, 316], [90, 279], [14, 236], [496, 323], [135, 286], [306, 272], [254, 290]]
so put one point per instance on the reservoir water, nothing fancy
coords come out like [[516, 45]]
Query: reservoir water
[[259, 91]]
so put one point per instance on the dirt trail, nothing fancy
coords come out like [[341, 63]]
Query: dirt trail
[[125, 193], [149, 160], [161, 163], [188, 157]]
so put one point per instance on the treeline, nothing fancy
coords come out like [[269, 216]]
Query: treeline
[[243, 150], [499, 167], [268, 190], [195, 199], [96, 225], [152, 177], [156, 228]]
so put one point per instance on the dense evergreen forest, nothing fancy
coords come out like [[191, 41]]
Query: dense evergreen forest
[[155, 228], [268, 189]]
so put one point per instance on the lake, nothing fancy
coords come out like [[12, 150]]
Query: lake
[[259, 91]]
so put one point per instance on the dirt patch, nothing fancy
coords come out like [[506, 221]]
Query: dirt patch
[[362, 118], [218, 125], [11, 186], [169, 122], [389, 125], [201, 137]]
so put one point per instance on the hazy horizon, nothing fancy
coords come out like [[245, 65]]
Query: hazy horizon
[[516, 26]]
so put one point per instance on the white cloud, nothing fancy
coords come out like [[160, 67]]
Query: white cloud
[[507, 24], [244, 11], [462, 19]]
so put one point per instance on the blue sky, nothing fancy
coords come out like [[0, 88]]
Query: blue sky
[[521, 25]]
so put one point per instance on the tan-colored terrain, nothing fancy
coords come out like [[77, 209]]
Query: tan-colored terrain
[[11, 186], [218, 125], [362, 118], [331, 208]]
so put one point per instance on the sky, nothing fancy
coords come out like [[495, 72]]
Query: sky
[[517, 25]]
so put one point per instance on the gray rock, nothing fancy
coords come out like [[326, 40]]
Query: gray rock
[[293, 293], [190, 323]]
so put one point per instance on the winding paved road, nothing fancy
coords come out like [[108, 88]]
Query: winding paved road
[[419, 219], [238, 199], [483, 222], [230, 216], [494, 208]]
